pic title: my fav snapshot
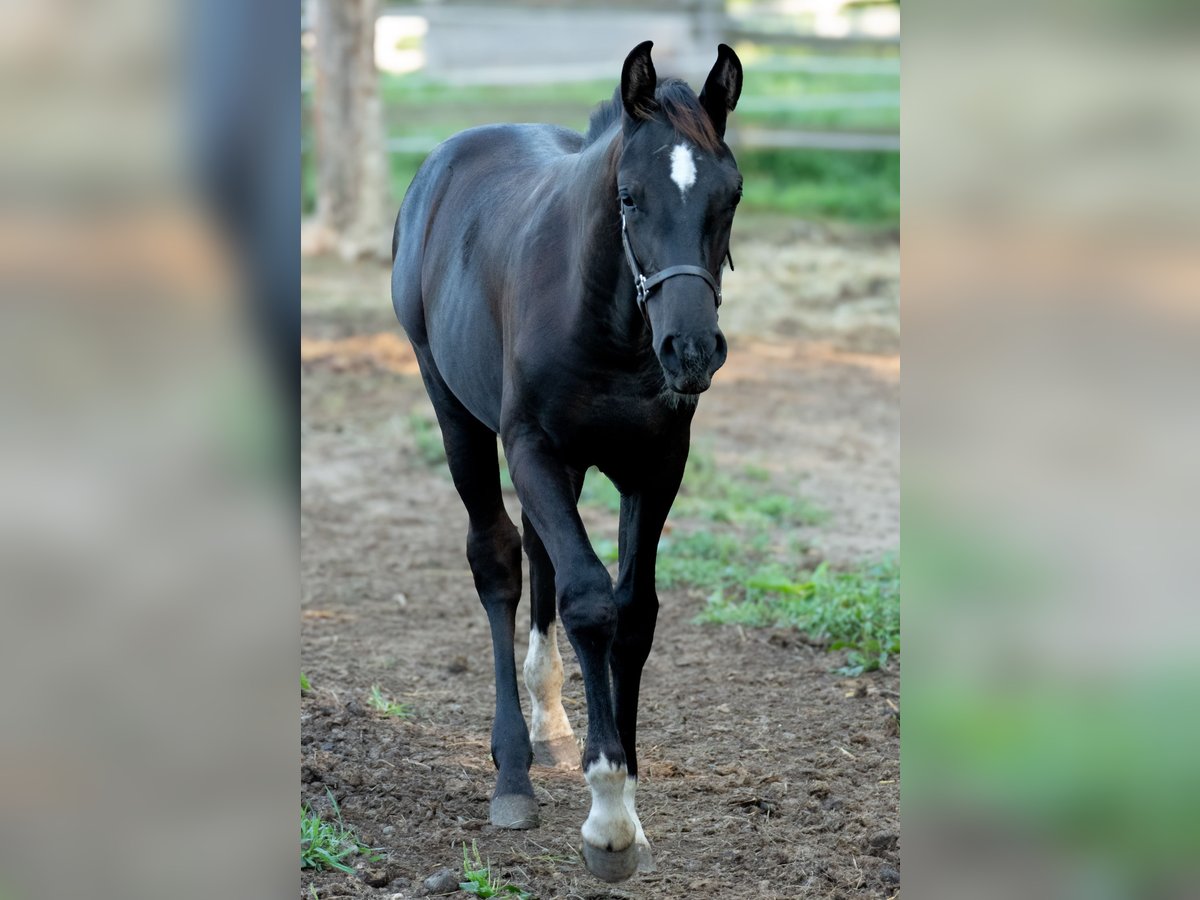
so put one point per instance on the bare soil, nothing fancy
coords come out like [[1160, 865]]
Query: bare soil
[[764, 773]]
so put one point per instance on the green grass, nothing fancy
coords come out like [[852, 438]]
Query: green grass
[[388, 707], [329, 845], [599, 492], [710, 561], [305, 685], [863, 187], [742, 557], [481, 882], [716, 493], [738, 496], [416, 89], [856, 610]]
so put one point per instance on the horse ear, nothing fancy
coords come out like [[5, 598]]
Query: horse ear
[[638, 81], [722, 88]]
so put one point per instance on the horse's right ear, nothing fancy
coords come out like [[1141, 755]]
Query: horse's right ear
[[638, 81], [722, 88]]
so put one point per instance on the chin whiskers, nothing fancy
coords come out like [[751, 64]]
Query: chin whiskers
[[676, 400]]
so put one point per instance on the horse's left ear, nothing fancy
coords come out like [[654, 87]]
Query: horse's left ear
[[722, 88]]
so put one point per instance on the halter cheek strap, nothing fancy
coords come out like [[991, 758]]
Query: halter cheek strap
[[645, 284]]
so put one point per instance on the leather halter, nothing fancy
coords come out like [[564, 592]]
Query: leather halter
[[645, 284]]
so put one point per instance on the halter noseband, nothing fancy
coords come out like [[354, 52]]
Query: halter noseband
[[645, 285]]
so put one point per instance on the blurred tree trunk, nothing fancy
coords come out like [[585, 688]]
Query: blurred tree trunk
[[354, 214]]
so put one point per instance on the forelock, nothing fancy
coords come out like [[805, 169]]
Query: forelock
[[685, 115], [678, 104]]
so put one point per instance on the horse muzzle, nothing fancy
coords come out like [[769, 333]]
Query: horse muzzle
[[689, 361]]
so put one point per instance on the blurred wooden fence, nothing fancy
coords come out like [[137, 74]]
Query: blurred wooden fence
[[856, 55]]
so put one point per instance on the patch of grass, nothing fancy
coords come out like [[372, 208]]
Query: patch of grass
[[599, 492], [606, 549], [741, 497], [861, 187], [428, 438], [305, 685], [388, 707], [710, 491], [756, 473], [420, 90], [856, 610], [328, 845], [711, 561], [481, 882]]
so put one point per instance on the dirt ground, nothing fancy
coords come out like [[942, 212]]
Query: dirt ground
[[764, 774]]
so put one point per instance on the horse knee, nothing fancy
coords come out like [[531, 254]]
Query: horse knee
[[587, 607]]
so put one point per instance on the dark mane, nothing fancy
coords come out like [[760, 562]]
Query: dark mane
[[676, 100], [604, 115]]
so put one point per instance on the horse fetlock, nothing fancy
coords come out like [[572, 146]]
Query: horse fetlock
[[610, 848], [629, 796], [544, 678], [560, 753], [609, 826]]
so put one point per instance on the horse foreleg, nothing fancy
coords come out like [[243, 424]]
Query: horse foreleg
[[589, 614], [642, 518]]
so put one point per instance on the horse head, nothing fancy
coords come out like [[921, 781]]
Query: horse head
[[678, 186]]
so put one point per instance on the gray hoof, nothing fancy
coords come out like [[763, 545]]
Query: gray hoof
[[645, 859], [514, 811], [608, 865], [560, 753]]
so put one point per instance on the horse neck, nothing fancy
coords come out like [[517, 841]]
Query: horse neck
[[608, 289]]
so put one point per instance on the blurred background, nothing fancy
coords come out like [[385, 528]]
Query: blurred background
[[1051, 432], [150, 153], [816, 132]]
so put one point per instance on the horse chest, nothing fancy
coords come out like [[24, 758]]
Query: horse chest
[[614, 432]]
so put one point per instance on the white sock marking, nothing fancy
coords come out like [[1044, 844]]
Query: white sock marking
[[544, 678], [683, 168], [630, 791], [609, 825]]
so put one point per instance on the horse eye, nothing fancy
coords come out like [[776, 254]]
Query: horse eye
[[627, 201]]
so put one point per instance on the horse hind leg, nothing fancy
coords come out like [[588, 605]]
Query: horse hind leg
[[553, 740], [494, 553]]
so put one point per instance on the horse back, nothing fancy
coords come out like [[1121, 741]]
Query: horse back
[[457, 250]]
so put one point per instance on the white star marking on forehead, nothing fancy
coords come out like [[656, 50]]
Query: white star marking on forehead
[[683, 168]]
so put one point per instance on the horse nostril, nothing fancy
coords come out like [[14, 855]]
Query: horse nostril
[[667, 353], [722, 347]]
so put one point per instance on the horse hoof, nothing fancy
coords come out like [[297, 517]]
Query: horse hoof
[[645, 859], [609, 865], [560, 753], [515, 811]]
